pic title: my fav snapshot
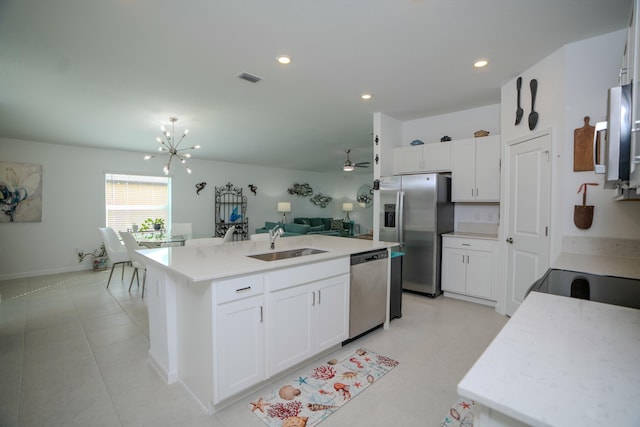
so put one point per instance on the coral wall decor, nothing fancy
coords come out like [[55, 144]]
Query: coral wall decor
[[320, 200], [301, 189]]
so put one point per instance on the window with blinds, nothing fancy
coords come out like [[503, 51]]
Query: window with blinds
[[130, 199]]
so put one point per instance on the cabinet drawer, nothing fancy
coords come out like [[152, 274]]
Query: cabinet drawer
[[473, 244], [294, 276], [240, 287]]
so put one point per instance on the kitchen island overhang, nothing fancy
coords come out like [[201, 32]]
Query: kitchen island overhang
[[559, 361], [191, 289]]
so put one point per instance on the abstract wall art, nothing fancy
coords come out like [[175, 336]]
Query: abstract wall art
[[20, 192]]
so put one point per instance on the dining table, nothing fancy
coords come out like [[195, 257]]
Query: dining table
[[157, 239]]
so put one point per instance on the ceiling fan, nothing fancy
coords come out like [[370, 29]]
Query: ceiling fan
[[348, 165]]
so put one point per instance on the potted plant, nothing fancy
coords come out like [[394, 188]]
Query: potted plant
[[152, 224], [99, 257]]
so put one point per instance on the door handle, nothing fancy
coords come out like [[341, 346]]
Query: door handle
[[509, 240], [400, 216]]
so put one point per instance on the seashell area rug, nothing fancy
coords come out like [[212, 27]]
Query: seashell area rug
[[460, 414], [313, 396]]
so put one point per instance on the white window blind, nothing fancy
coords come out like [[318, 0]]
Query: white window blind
[[130, 199]]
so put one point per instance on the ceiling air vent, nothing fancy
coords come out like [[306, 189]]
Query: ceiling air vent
[[250, 77]]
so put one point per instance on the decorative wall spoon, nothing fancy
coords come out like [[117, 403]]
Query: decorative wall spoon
[[519, 111], [533, 116]]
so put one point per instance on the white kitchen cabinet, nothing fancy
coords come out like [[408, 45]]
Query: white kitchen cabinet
[[308, 317], [475, 169], [633, 74], [469, 267], [239, 345], [433, 157], [290, 327], [331, 312]]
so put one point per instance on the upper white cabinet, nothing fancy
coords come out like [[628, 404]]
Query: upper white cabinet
[[435, 157], [633, 73], [628, 70], [475, 169]]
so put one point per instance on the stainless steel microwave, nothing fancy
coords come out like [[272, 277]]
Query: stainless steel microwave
[[612, 139]]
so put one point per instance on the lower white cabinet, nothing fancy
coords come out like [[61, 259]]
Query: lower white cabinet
[[221, 337], [291, 314], [239, 335], [306, 319], [307, 311], [469, 267]]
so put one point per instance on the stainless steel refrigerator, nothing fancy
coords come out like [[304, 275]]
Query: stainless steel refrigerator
[[415, 210]]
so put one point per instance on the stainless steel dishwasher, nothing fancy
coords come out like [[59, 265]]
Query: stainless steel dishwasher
[[368, 296]]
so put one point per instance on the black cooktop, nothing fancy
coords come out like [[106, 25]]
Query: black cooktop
[[606, 289]]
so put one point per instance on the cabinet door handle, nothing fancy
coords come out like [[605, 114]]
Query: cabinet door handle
[[463, 258], [319, 297], [261, 314], [243, 289], [314, 299]]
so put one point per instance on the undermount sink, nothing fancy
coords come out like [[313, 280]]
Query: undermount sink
[[291, 253]]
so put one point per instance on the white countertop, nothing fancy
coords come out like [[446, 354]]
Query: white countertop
[[599, 264], [469, 235], [562, 362], [230, 259]]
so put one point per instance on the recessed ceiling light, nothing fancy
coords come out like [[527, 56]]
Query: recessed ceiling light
[[366, 96], [479, 63], [283, 59]]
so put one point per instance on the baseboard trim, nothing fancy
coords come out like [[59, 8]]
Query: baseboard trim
[[470, 299]]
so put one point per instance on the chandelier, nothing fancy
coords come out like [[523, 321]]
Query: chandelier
[[169, 146]]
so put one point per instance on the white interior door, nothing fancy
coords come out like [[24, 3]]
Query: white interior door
[[528, 216]]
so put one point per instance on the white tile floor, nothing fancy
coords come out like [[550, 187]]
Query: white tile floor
[[73, 353]]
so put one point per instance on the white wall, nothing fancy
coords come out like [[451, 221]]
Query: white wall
[[550, 102], [587, 96], [573, 83], [73, 200], [389, 132], [458, 125]]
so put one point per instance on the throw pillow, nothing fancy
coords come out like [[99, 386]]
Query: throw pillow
[[336, 224], [316, 222], [327, 223]]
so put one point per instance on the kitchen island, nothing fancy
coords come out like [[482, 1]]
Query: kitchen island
[[559, 361], [223, 323]]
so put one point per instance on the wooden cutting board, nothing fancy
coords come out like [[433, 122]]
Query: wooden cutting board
[[583, 147]]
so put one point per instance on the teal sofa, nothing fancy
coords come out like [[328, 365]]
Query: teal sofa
[[302, 226]]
